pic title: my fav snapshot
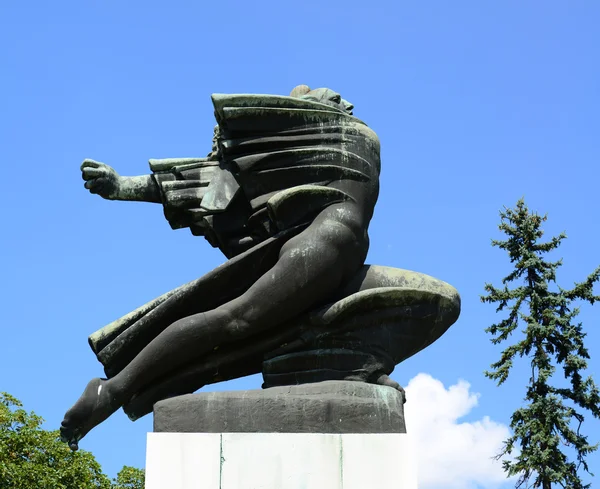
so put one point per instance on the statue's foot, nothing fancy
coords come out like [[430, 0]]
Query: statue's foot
[[386, 380], [94, 406]]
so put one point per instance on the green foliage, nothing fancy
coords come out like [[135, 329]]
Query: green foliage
[[552, 416], [129, 478], [31, 457]]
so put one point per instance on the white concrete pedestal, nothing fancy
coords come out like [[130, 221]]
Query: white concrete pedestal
[[280, 461]]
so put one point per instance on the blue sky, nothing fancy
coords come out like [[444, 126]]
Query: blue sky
[[476, 104]]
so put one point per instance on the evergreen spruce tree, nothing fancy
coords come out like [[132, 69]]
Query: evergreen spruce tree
[[551, 417]]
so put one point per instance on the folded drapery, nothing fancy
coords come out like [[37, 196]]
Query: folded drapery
[[277, 162]]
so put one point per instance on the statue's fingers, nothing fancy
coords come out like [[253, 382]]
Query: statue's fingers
[[95, 185], [91, 164], [89, 173]]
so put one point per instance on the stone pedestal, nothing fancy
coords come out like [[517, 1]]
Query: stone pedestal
[[327, 435]]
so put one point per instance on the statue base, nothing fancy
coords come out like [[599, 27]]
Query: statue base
[[323, 407], [333, 434]]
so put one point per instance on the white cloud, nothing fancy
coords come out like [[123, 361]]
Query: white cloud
[[451, 454]]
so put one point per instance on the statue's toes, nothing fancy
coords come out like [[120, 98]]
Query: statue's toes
[[70, 437], [403, 394], [386, 380]]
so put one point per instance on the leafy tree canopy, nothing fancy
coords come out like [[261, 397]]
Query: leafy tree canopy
[[31, 457]]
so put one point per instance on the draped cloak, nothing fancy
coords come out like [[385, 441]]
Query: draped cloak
[[280, 161]]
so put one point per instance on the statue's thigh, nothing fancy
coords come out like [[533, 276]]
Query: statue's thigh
[[310, 268]]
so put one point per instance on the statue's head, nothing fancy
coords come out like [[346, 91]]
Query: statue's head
[[323, 95]]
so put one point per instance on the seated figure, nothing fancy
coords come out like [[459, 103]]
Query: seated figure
[[287, 194]]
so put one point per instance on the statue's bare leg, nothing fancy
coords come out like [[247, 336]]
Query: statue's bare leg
[[311, 267]]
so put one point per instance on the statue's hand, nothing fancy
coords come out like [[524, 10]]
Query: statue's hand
[[100, 179]]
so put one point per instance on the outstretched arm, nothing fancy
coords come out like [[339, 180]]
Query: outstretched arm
[[103, 180]]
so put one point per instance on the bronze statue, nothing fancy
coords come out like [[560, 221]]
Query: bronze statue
[[287, 194]]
